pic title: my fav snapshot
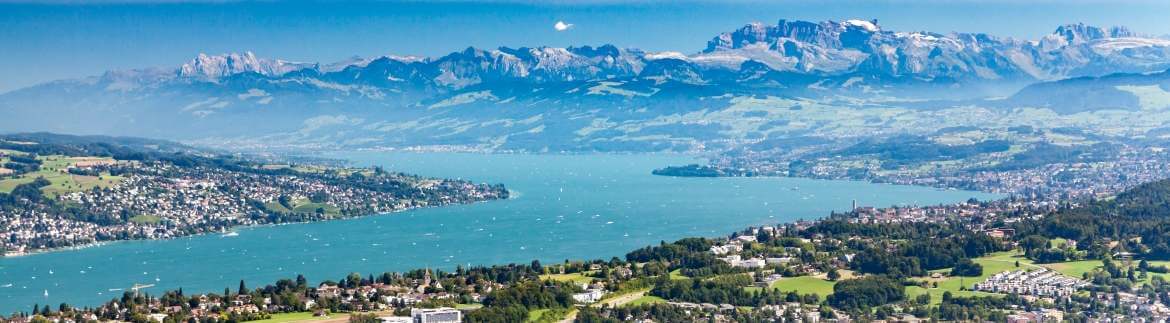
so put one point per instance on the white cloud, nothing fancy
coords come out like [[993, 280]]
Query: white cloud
[[562, 26]]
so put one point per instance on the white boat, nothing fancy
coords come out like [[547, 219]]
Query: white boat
[[230, 234]]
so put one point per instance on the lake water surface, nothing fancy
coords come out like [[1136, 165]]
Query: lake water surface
[[563, 207]]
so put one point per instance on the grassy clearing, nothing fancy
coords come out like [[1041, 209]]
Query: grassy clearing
[[677, 275], [579, 278], [301, 317], [547, 315], [1075, 268], [472, 306], [11, 152], [621, 298], [53, 169], [145, 219], [312, 208], [1060, 243], [274, 206], [302, 206], [647, 299], [804, 285]]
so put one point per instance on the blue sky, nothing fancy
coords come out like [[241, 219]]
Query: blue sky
[[47, 41]]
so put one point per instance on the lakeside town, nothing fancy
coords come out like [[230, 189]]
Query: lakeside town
[[63, 201], [1069, 177]]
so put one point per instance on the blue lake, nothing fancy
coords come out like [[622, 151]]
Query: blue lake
[[564, 207]]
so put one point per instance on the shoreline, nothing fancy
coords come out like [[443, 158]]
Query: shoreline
[[227, 230], [512, 194]]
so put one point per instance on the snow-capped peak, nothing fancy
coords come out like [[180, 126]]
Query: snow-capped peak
[[216, 66], [665, 55], [870, 26]]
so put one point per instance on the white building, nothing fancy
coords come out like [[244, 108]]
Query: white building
[[589, 296], [726, 249], [436, 315]]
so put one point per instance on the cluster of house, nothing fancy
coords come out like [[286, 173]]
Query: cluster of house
[[1079, 179], [986, 212], [797, 312], [1040, 282], [730, 252], [1074, 179], [372, 297], [1137, 308], [158, 200], [1046, 315], [787, 312], [35, 227]]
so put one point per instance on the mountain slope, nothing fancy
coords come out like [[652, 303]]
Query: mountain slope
[[1123, 91]]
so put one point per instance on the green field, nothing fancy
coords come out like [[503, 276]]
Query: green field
[[805, 285], [53, 169], [145, 219], [1075, 269], [647, 299], [1060, 243], [302, 206], [471, 306], [547, 315], [300, 317], [578, 278], [312, 207]]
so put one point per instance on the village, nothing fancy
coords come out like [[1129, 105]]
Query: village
[[1061, 180], [159, 200]]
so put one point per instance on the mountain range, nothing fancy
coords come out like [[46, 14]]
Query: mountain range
[[754, 83]]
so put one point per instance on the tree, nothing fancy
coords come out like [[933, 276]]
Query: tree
[[243, 289], [866, 292], [833, 274], [1033, 242], [966, 267], [285, 201], [301, 281]]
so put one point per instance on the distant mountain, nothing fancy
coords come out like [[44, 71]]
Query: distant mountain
[[1122, 91], [577, 98], [862, 47]]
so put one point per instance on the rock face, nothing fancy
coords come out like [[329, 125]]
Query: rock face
[[584, 97], [863, 47], [209, 67]]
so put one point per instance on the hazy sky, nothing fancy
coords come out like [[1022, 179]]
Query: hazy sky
[[46, 41]]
